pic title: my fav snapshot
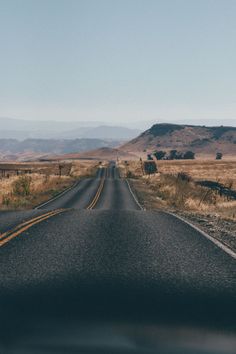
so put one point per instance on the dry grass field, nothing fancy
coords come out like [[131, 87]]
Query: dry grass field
[[219, 171], [27, 190], [176, 187]]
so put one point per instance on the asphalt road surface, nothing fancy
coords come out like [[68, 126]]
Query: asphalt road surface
[[91, 272]]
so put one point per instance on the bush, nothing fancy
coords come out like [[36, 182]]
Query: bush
[[183, 176], [173, 155], [189, 155], [149, 157], [219, 156], [159, 154], [21, 187]]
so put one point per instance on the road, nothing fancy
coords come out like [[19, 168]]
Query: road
[[94, 256]]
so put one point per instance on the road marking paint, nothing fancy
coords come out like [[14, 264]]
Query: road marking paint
[[222, 246], [97, 195], [57, 196], [19, 229], [134, 196], [26, 223]]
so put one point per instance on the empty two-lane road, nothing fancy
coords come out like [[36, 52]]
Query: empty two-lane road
[[113, 194], [79, 197], [102, 258]]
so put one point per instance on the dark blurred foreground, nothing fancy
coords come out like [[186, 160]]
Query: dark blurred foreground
[[101, 318]]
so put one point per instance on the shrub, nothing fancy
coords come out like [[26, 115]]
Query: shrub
[[189, 155], [173, 155], [159, 154], [183, 176], [219, 156], [21, 187]]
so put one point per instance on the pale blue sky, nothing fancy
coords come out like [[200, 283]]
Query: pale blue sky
[[118, 60]]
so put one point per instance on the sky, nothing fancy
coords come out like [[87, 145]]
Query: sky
[[118, 61]]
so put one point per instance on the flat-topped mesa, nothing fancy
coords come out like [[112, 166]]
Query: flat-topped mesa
[[201, 140]]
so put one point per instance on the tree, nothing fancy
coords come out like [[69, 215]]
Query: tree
[[149, 157], [150, 167], [159, 155], [219, 156], [189, 155], [173, 155], [179, 155]]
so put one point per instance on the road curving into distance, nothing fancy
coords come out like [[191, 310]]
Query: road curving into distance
[[92, 257]]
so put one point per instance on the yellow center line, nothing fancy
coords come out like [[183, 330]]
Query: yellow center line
[[97, 196], [95, 200], [9, 235], [19, 229], [26, 223]]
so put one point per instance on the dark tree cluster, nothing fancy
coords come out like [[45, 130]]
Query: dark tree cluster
[[219, 156], [174, 155]]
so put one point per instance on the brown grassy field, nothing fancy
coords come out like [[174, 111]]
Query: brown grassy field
[[27, 190], [219, 171], [167, 189]]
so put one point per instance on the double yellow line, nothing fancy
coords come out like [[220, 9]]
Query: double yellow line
[[19, 229], [97, 196]]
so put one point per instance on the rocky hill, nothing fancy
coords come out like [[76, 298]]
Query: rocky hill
[[202, 140]]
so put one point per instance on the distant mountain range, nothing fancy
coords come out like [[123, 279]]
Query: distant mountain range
[[102, 132], [199, 139], [12, 149], [22, 129], [203, 140]]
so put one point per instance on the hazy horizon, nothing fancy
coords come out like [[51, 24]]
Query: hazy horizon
[[140, 124], [119, 62]]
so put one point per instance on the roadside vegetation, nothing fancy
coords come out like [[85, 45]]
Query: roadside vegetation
[[203, 192], [25, 191], [181, 185]]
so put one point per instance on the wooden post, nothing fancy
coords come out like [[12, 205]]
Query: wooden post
[[141, 163]]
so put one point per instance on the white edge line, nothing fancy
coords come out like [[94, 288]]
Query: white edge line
[[133, 195], [57, 196], [212, 239]]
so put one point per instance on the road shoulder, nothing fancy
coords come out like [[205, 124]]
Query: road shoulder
[[220, 229]]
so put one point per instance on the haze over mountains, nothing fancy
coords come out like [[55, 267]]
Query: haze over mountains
[[14, 149], [23, 139], [20, 129], [58, 138]]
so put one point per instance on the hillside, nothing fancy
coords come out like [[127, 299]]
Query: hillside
[[199, 139]]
